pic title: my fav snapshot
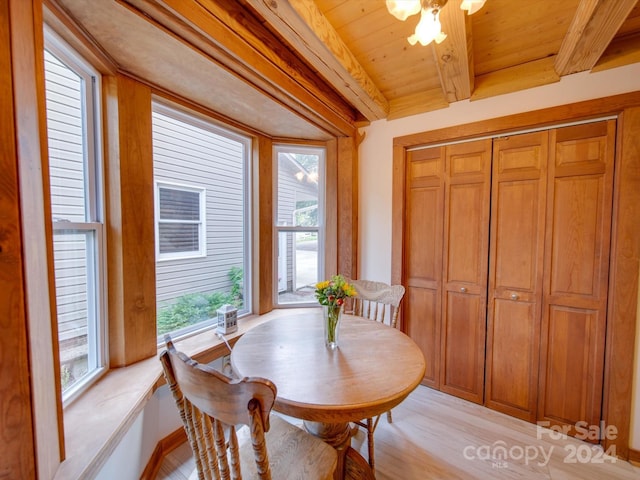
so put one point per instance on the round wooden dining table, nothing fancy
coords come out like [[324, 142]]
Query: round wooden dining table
[[373, 369]]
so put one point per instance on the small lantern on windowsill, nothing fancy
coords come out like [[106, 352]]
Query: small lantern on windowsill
[[227, 319]]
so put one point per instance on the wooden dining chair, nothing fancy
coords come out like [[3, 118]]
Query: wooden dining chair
[[216, 411], [380, 302]]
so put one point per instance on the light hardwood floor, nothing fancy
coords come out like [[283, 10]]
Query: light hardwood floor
[[437, 436]]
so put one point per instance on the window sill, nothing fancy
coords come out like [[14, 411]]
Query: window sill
[[96, 422]]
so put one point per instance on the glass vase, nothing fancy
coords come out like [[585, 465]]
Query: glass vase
[[332, 315]]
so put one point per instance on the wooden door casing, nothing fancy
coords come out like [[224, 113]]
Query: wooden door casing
[[423, 256], [519, 185], [467, 183], [578, 233]]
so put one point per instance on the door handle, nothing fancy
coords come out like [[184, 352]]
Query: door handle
[[514, 296]]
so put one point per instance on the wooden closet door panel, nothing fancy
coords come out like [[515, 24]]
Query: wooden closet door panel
[[516, 273], [570, 399], [576, 274], [424, 245], [466, 232], [466, 235], [423, 256], [513, 331], [462, 364], [577, 237], [422, 321]]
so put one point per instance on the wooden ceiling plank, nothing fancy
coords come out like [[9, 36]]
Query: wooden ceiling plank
[[307, 30], [454, 56], [594, 25], [521, 77]]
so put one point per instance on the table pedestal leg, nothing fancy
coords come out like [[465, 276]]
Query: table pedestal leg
[[338, 435], [351, 465]]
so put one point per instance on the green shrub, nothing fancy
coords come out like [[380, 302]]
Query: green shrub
[[235, 275], [195, 307]]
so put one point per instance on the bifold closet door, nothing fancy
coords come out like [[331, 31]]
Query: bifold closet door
[[423, 255], [467, 182], [518, 200], [578, 231]]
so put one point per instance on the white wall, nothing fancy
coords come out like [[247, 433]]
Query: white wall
[[376, 155]]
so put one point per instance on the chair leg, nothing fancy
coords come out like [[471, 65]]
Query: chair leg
[[389, 419], [370, 445]]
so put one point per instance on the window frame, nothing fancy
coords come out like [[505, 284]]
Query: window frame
[[202, 222], [93, 163], [319, 229]]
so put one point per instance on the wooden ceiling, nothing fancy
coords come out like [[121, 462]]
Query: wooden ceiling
[[315, 69], [504, 47]]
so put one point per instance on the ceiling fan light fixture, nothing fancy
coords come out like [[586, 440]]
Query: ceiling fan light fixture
[[403, 9], [472, 6]]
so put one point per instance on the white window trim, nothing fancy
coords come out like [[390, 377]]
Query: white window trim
[[202, 232], [97, 341]]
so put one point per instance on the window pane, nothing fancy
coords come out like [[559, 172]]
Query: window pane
[[64, 98], [297, 189], [191, 156], [297, 266], [73, 252], [179, 237], [179, 204]]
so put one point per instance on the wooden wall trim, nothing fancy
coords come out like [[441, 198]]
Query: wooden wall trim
[[27, 68], [331, 209], [625, 254], [623, 283], [18, 450], [347, 207], [399, 182], [130, 222], [398, 211], [547, 117], [263, 241], [634, 457]]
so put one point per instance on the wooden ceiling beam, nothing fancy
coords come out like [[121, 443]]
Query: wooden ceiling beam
[[307, 30], [454, 56], [593, 27]]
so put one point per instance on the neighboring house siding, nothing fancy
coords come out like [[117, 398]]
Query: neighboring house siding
[[193, 157], [66, 169]]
